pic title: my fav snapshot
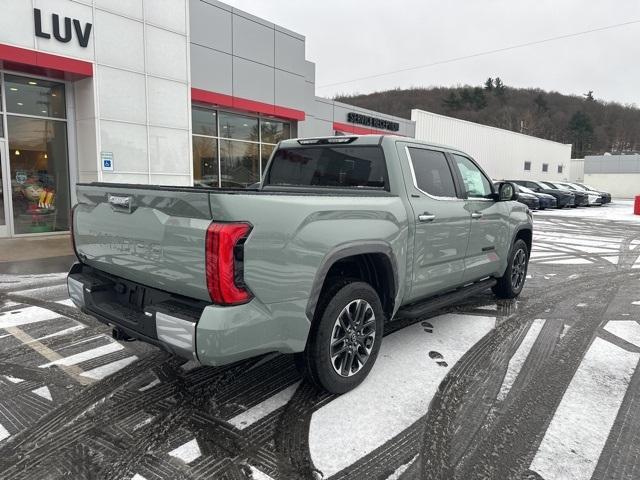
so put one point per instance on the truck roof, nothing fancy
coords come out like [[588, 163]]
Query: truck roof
[[373, 139]]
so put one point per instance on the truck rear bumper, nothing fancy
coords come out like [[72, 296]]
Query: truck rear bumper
[[210, 334]]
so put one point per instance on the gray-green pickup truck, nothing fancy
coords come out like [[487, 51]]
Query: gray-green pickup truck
[[341, 235]]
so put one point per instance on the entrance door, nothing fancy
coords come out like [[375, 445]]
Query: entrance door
[[5, 190]]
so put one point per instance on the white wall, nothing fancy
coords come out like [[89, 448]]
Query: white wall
[[501, 153], [576, 171], [137, 105], [620, 185]]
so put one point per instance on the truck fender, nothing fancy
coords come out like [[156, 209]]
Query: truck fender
[[344, 251]]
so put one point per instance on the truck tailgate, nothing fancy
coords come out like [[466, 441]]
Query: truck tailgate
[[152, 236]]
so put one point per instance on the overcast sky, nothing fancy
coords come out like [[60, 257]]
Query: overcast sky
[[349, 39]]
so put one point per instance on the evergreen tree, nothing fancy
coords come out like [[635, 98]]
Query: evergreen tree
[[488, 84], [581, 131], [499, 87], [452, 102], [479, 101], [589, 96], [541, 103]]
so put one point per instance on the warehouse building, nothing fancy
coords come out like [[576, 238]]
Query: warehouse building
[[502, 153], [170, 92], [617, 174]]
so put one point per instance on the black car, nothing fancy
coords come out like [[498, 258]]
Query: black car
[[529, 200], [581, 198], [563, 198], [606, 196], [545, 200]]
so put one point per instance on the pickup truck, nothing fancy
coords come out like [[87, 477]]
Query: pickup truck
[[341, 235]]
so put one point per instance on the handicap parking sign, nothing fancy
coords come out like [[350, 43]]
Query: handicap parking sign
[[107, 161]]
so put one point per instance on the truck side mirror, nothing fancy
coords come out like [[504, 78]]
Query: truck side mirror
[[506, 192]]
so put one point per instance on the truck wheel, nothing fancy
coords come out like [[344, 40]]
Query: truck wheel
[[345, 337], [511, 283]]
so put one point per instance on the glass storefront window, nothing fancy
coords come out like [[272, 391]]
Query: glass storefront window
[[274, 131], [239, 127], [230, 150], [30, 96], [240, 163], [205, 161], [204, 121], [39, 166]]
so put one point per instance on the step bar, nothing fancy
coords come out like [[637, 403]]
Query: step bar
[[418, 309]]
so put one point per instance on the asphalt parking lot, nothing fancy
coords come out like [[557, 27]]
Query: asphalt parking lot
[[543, 387]]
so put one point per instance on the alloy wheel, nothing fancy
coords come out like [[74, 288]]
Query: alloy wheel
[[518, 269], [352, 338]]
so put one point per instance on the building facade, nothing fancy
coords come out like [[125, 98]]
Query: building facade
[[616, 174], [167, 92], [502, 153]]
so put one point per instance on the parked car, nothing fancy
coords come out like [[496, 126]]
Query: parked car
[[563, 198], [581, 199], [529, 199], [545, 200], [593, 198], [342, 234], [606, 196]]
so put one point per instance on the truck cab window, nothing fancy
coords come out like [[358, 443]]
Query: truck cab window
[[329, 166], [476, 183], [432, 173]]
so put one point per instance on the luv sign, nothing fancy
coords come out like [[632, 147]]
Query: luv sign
[[63, 32]]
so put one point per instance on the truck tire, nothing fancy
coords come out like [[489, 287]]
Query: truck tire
[[345, 337], [511, 283]]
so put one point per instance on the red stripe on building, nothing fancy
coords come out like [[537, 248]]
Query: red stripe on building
[[45, 64], [238, 103], [347, 128]]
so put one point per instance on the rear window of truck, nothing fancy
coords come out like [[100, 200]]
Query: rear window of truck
[[329, 166]]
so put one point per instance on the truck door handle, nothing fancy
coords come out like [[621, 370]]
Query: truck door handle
[[426, 217], [476, 215]]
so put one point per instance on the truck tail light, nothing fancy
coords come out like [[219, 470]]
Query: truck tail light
[[225, 263]]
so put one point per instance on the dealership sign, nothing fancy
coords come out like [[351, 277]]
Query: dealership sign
[[372, 122], [63, 31]]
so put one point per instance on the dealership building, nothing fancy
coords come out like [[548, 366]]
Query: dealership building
[[169, 92]]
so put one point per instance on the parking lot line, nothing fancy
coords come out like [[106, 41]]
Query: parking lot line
[[84, 356], [581, 424], [518, 359], [270, 405], [72, 370]]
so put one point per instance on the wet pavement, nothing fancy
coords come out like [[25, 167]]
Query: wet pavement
[[543, 387]]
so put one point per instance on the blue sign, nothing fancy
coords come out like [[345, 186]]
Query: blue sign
[[107, 161]]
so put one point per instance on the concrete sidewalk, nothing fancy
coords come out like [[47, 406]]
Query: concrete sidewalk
[[32, 255]]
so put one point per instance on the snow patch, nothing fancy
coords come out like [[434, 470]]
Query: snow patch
[[43, 392], [517, 360], [625, 329], [187, 452], [109, 369], [581, 424], [402, 382], [252, 415]]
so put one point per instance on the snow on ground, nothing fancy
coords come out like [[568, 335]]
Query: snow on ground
[[618, 210], [579, 429]]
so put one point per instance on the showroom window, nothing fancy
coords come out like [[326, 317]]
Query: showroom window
[[38, 158], [527, 166], [229, 149], [545, 167]]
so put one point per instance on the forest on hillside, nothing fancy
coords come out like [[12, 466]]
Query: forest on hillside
[[592, 126]]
